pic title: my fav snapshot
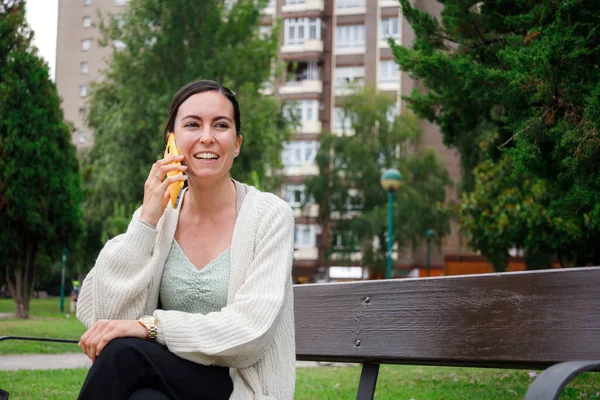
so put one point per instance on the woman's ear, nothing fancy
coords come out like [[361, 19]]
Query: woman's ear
[[238, 145]]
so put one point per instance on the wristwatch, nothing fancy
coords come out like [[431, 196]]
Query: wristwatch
[[151, 323]]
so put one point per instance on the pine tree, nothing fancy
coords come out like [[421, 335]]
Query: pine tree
[[516, 83], [40, 187]]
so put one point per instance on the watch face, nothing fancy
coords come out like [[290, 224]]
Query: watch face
[[147, 320]]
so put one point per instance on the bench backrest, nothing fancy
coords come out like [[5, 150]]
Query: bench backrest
[[513, 320]]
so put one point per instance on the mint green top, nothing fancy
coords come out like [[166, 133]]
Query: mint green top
[[185, 288]]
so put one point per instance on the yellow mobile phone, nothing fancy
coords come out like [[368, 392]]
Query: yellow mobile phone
[[174, 188]]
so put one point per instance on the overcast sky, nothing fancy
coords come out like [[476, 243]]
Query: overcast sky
[[42, 17]]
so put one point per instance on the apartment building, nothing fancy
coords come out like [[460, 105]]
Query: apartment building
[[79, 58], [325, 45]]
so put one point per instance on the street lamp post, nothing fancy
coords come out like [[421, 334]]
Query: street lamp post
[[429, 233], [62, 280], [391, 180]]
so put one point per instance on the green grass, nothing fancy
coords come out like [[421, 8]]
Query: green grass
[[45, 321], [57, 384], [396, 382], [428, 383]]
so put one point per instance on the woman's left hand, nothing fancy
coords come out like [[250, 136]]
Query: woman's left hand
[[95, 339]]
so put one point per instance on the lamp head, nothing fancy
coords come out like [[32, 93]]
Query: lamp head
[[391, 179]]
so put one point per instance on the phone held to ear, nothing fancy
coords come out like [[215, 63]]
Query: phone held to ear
[[175, 188]]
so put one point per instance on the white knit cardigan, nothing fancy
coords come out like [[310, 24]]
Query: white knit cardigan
[[253, 334]]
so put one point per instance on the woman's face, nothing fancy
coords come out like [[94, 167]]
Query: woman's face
[[206, 136]]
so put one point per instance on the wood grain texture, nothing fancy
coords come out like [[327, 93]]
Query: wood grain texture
[[519, 320]]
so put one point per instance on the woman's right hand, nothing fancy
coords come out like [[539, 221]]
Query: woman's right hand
[[156, 191]]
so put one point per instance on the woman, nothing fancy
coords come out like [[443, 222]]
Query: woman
[[209, 281]]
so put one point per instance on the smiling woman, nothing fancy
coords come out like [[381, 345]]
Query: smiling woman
[[208, 282]]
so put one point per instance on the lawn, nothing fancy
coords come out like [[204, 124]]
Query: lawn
[[45, 321], [396, 382]]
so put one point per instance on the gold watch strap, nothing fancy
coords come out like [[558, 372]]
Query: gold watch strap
[[151, 324]]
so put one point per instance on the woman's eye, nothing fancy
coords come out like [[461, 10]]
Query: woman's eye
[[222, 126], [191, 124]]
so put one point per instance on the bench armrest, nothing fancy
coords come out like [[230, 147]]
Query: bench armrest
[[550, 384], [39, 339]]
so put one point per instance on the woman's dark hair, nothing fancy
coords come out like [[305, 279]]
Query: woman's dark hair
[[198, 87]]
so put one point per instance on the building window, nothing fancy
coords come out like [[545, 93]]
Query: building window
[[389, 28], [350, 3], [294, 195], [344, 240], [84, 67], [299, 152], [388, 72], [121, 2], [305, 110], [265, 31], [301, 71], [86, 44], [81, 114], [87, 2], [349, 36], [120, 46], [83, 91], [299, 30], [305, 236], [345, 76], [291, 2], [341, 121], [87, 22], [81, 137]]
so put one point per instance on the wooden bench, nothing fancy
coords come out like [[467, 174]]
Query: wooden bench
[[535, 320]]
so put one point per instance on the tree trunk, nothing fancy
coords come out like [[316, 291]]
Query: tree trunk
[[22, 280], [499, 260]]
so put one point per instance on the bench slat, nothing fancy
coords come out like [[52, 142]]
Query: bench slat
[[527, 319]]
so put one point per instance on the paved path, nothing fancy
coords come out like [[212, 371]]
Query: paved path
[[79, 360], [44, 361]]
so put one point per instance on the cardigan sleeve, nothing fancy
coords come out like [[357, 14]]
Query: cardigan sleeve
[[117, 287], [240, 334]]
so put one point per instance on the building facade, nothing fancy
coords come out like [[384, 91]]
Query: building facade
[[325, 45]]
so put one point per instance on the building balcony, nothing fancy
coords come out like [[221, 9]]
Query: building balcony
[[306, 5], [310, 127], [303, 86], [354, 256], [389, 3], [345, 51], [269, 9], [309, 253], [343, 131], [389, 86], [350, 7], [383, 43], [301, 170], [310, 210], [346, 90], [314, 45]]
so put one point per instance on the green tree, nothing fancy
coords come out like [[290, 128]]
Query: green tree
[[517, 83], [164, 45], [40, 188], [348, 189]]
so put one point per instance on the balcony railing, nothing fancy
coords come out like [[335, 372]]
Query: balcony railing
[[313, 45], [303, 5]]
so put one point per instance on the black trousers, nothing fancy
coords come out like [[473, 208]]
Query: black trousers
[[130, 368]]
